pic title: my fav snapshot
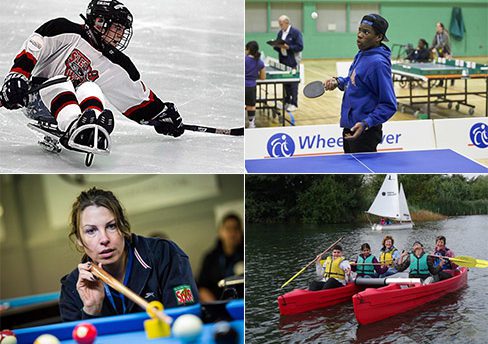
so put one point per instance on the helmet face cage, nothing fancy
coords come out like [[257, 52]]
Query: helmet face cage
[[110, 12]]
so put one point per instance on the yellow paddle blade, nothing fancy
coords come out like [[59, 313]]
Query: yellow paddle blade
[[481, 263], [465, 261]]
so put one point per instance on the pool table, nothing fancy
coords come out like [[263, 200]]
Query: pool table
[[27, 311], [129, 328]]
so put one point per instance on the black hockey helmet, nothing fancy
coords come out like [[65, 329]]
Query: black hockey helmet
[[110, 11]]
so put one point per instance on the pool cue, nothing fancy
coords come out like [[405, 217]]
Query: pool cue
[[115, 284], [230, 281]]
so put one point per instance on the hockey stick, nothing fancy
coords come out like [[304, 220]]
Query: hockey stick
[[44, 85], [202, 129]]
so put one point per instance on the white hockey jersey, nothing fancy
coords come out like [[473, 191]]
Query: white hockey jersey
[[61, 47]]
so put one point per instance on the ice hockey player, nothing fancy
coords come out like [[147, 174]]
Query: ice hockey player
[[91, 56]]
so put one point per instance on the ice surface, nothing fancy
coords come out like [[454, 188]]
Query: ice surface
[[189, 52]]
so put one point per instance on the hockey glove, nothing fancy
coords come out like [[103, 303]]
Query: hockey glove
[[168, 121], [14, 91]]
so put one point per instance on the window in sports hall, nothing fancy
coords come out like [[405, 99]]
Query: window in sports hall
[[358, 11], [256, 17], [332, 18], [293, 10]]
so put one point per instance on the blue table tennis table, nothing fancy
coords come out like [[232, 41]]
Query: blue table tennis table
[[425, 161]]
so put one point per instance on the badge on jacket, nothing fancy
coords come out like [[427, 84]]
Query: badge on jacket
[[183, 294]]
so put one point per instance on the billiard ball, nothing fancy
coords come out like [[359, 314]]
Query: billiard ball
[[7, 337], [84, 333], [187, 327], [46, 339], [224, 333]]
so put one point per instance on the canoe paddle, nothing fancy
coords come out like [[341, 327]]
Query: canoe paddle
[[468, 262], [306, 266], [354, 263]]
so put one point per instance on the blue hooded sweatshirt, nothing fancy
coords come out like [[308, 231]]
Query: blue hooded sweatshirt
[[368, 89]]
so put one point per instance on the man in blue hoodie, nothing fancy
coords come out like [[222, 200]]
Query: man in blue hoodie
[[369, 99]]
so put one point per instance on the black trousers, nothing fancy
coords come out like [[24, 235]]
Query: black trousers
[[291, 93], [367, 142], [443, 275], [331, 283]]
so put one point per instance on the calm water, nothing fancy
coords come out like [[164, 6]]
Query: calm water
[[275, 253]]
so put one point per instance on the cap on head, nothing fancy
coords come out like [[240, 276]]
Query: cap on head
[[111, 11], [417, 243], [379, 24]]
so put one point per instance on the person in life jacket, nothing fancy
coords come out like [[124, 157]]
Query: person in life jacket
[[366, 265], [421, 264], [333, 271], [388, 255], [442, 251]]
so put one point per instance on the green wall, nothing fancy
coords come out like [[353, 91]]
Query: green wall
[[409, 21]]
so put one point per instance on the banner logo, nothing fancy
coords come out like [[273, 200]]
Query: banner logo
[[479, 135], [281, 145]]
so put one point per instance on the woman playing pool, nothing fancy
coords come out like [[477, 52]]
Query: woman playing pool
[[155, 269]]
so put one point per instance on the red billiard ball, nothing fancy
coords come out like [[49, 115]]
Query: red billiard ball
[[85, 333], [7, 337]]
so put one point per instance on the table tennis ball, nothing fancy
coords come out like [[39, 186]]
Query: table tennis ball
[[187, 327], [314, 15]]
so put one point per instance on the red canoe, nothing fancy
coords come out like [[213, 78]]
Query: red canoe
[[373, 305], [301, 300]]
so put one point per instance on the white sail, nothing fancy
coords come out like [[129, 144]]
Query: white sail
[[386, 203], [404, 212]]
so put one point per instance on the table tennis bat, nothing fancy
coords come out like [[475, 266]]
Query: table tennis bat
[[314, 89]]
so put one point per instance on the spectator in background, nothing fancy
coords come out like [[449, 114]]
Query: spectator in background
[[440, 44], [226, 259], [158, 234], [254, 70], [421, 54], [289, 55]]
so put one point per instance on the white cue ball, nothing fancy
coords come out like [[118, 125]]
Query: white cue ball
[[314, 15], [187, 327], [46, 339]]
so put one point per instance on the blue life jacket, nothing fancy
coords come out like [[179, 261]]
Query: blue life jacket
[[447, 263], [418, 266], [365, 269]]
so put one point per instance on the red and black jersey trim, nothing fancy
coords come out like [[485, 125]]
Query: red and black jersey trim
[[61, 101], [24, 63], [146, 110], [61, 26], [91, 103]]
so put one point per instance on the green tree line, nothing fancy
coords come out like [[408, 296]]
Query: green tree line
[[318, 199]]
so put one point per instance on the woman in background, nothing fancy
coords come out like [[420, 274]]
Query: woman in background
[[254, 70]]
